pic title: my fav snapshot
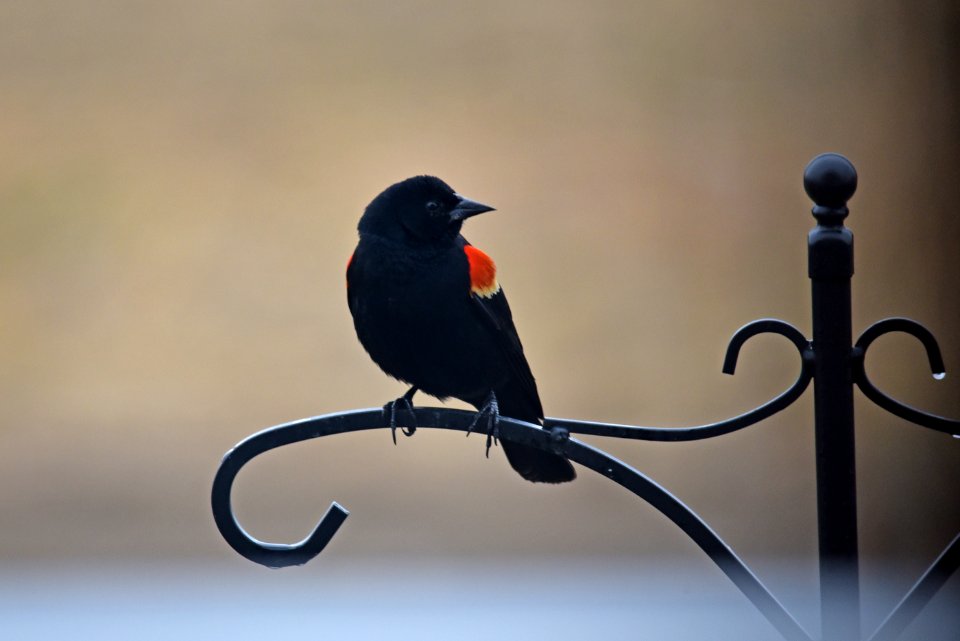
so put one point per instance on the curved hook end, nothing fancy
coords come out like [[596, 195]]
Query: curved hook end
[[915, 329], [764, 325], [730, 359], [275, 555], [937, 368]]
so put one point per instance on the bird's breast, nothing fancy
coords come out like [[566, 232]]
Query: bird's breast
[[414, 316]]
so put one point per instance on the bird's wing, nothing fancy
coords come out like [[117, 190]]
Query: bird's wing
[[495, 313], [490, 304]]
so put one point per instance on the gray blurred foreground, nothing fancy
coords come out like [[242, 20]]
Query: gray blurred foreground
[[421, 600]]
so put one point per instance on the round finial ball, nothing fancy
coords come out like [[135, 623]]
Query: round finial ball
[[830, 180]]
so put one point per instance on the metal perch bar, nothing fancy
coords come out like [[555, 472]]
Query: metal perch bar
[[282, 555]]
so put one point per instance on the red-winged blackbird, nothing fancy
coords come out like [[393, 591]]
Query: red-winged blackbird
[[428, 309]]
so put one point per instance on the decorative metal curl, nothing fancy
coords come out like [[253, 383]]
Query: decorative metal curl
[[557, 440], [904, 411], [768, 409]]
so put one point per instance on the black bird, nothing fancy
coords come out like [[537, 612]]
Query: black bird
[[428, 309]]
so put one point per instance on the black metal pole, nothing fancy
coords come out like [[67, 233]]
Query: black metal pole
[[830, 180]]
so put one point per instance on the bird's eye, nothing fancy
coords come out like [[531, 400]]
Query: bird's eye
[[433, 206]]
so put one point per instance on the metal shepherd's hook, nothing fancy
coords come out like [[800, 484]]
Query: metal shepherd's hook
[[829, 359]]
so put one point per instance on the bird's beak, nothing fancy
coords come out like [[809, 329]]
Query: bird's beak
[[466, 208]]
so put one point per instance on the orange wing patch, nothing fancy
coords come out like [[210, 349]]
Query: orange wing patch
[[483, 273]]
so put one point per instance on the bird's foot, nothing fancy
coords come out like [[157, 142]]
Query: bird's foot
[[491, 410], [405, 402]]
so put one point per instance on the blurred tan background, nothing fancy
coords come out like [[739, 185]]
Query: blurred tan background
[[179, 188]]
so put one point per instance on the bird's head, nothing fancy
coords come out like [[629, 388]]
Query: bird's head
[[420, 210]]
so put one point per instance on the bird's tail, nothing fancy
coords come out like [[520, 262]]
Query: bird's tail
[[533, 464], [536, 465]]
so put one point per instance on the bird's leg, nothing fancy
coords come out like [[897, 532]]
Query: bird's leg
[[406, 402], [492, 411]]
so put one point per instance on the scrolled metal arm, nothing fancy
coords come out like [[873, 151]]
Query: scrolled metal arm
[[278, 555], [904, 411], [281, 555], [771, 407]]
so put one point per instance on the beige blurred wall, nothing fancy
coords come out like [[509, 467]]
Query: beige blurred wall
[[179, 187]]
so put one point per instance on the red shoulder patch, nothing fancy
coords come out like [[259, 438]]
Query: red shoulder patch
[[483, 272], [349, 262]]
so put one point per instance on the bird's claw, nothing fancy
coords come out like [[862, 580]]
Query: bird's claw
[[406, 403], [492, 412]]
